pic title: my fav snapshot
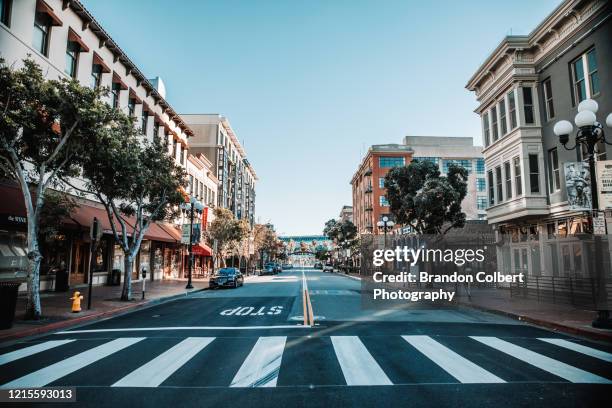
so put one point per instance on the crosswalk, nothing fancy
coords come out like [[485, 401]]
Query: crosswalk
[[262, 361]]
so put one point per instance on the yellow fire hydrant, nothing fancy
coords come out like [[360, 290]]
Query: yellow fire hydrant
[[76, 302]]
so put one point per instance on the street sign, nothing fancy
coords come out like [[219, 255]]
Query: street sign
[[196, 233], [185, 234], [604, 184], [599, 224]]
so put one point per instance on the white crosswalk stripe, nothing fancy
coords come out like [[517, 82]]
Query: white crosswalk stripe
[[58, 370], [156, 371], [589, 351], [262, 365], [459, 367], [356, 362], [553, 366], [28, 351]]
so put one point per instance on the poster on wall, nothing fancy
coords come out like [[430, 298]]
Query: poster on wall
[[578, 186], [604, 184]]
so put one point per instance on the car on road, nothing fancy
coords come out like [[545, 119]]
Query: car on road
[[328, 267], [287, 266], [318, 265], [269, 269], [226, 277]]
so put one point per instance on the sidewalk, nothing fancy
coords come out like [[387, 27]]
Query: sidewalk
[[556, 316], [56, 306]]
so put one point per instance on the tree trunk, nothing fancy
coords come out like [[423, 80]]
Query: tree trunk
[[33, 308], [128, 264]]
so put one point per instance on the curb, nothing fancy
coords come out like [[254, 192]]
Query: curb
[[92, 317], [348, 276], [558, 327]]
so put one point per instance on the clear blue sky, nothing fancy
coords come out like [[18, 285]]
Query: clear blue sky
[[308, 85]]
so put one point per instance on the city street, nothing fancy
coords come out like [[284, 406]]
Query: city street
[[248, 347]]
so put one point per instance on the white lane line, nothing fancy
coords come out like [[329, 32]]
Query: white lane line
[[129, 329], [156, 371], [61, 369], [459, 367], [356, 362], [28, 351], [602, 355], [262, 365], [542, 362]]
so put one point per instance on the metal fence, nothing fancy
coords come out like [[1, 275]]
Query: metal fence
[[577, 291]]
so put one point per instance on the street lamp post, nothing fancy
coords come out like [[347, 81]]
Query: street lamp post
[[385, 224], [193, 206], [589, 133]]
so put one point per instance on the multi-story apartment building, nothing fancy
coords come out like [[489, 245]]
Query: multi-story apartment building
[[67, 42], [527, 84], [369, 201], [460, 151], [215, 138]]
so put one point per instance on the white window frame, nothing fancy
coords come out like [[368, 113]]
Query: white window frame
[[587, 76]]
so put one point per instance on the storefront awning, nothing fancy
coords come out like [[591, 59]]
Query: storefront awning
[[157, 233], [202, 250]]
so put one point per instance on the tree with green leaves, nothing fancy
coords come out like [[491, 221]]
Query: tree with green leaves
[[43, 129], [343, 233], [227, 232], [136, 181], [420, 197]]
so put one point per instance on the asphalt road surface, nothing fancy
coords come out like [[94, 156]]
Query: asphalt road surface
[[249, 347]]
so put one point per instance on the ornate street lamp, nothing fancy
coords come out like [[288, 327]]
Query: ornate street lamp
[[193, 206], [385, 224], [589, 133]]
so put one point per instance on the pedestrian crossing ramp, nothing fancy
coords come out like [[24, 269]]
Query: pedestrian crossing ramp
[[273, 361]]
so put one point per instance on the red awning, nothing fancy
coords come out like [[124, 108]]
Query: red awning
[[157, 233], [97, 60], [74, 37], [202, 250], [43, 7], [173, 231]]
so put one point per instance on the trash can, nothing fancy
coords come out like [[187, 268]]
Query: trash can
[[61, 280], [8, 302], [115, 279]]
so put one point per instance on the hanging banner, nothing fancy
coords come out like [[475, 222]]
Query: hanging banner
[[604, 184], [578, 186]]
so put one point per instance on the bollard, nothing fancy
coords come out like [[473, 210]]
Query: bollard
[[76, 302]]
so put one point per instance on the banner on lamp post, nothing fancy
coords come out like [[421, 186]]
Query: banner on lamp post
[[604, 184], [578, 186]]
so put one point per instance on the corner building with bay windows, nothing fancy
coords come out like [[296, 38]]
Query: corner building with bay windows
[[524, 87]]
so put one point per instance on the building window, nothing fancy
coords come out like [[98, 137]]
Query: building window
[[381, 182], [534, 173], [491, 188], [386, 162], [508, 175], [144, 119], [465, 163], [487, 130], [499, 184], [518, 182], [434, 160], [131, 107], [72, 58], [156, 131], [5, 12], [115, 90], [480, 166], [584, 86], [481, 184], [191, 184], [494, 123], [528, 105], [502, 117], [548, 99], [553, 170], [481, 203], [383, 201], [96, 76], [512, 109], [42, 29], [593, 73]]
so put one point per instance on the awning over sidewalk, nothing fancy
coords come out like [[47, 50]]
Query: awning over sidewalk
[[202, 250]]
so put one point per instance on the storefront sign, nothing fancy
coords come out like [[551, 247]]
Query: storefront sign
[[578, 186], [599, 224], [604, 184], [204, 217]]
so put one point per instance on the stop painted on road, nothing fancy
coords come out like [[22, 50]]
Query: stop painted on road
[[252, 311]]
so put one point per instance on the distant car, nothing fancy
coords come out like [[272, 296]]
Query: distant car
[[318, 265], [269, 269], [278, 267], [287, 266], [328, 267], [226, 277]]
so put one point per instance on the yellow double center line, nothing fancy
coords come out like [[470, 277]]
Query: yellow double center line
[[306, 304]]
